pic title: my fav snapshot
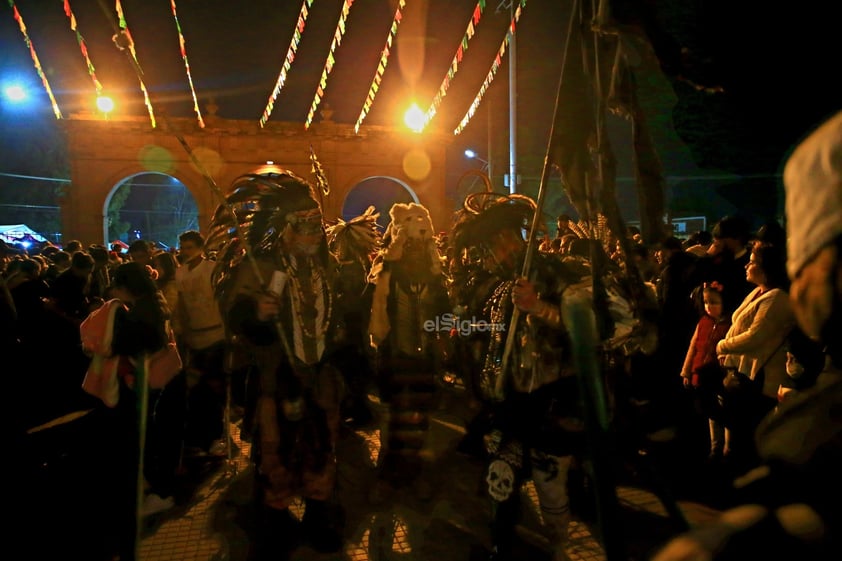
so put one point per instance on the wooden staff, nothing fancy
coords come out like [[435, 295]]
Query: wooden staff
[[549, 157]]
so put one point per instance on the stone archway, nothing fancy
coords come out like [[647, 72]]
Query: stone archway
[[379, 192], [167, 208], [102, 153]]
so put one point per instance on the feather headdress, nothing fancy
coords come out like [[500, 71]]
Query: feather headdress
[[484, 214], [254, 218], [357, 239]]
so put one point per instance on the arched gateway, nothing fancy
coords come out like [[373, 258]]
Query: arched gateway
[[104, 152]]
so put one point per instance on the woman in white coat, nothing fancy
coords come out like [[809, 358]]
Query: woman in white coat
[[755, 347]]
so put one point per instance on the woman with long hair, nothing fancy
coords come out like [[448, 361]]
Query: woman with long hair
[[754, 349]]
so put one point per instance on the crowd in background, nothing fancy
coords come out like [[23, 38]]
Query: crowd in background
[[717, 303]]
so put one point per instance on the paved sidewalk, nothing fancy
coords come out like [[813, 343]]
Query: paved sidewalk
[[215, 525]]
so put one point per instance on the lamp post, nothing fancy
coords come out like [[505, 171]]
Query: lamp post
[[512, 99], [484, 172], [472, 155]]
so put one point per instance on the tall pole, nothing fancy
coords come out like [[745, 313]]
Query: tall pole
[[512, 104], [488, 156]]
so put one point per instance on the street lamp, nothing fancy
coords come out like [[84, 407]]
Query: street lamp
[[483, 173], [105, 104], [414, 118], [15, 92], [472, 155]]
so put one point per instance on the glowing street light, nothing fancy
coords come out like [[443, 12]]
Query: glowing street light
[[471, 154], [414, 118], [105, 104], [15, 92]]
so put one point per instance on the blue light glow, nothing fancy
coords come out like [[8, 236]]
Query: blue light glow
[[15, 92]]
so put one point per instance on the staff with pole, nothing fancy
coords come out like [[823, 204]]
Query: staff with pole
[[580, 322]]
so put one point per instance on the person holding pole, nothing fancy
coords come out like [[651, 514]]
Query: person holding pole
[[536, 424]]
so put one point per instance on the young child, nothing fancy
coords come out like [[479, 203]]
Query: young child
[[701, 369]]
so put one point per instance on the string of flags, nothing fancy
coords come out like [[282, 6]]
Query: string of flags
[[28, 41], [493, 72], [381, 67], [454, 64], [129, 43], [293, 48], [124, 40], [337, 40], [183, 46], [68, 11]]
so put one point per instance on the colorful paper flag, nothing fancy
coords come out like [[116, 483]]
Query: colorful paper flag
[[34, 55]]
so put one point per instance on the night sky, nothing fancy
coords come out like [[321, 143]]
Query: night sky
[[236, 49], [776, 69]]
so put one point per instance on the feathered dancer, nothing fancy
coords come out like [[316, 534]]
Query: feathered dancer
[[287, 327], [265, 207], [534, 425], [354, 243], [357, 239]]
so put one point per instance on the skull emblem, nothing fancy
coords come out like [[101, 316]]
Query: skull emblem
[[500, 480]]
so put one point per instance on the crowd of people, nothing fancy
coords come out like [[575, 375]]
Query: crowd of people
[[702, 344]]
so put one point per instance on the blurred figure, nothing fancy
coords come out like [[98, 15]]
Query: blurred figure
[[199, 326], [140, 328], [140, 252], [166, 266], [562, 226], [60, 262], [677, 321], [727, 258], [353, 243], [70, 291], [771, 233], [410, 294], [101, 275], [73, 246], [633, 233], [699, 243]]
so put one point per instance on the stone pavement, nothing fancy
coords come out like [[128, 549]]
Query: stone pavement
[[214, 523]]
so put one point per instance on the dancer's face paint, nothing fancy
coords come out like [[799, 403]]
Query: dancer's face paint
[[305, 234]]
